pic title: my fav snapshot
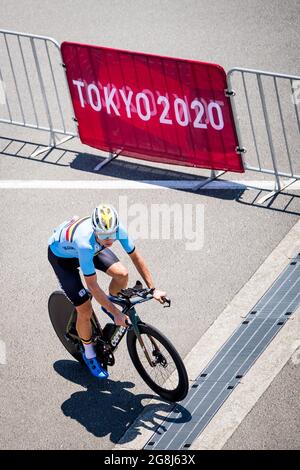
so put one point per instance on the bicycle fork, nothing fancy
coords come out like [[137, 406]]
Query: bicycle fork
[[134, 318]]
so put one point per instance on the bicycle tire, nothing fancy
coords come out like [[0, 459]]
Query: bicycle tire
[[179, 392], [60, 309]]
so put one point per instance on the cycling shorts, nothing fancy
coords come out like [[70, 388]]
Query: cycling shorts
[[67, 272]]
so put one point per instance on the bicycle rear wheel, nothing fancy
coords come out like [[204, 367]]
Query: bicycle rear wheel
[[167, 375], [60, 311]]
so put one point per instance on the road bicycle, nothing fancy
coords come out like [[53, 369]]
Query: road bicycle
[[153, 355]]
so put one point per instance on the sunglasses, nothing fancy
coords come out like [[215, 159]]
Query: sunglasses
[[101, 236]]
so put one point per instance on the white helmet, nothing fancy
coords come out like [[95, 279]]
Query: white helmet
[[105, 220]]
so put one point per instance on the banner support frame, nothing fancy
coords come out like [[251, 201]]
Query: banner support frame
[[107, 160], [213, 176]]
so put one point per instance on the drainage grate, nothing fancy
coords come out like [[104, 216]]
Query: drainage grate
[[232, 361]]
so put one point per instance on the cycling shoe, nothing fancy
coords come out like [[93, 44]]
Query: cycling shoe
[[95, 368]]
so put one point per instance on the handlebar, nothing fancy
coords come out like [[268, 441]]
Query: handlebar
[[167, 301], [144, 294]]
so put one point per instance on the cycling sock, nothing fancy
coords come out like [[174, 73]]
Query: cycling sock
[[89, 348]]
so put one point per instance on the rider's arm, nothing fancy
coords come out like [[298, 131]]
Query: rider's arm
[[135, 256], [142, 268], [99, 294], [138, 261], [85, 255]]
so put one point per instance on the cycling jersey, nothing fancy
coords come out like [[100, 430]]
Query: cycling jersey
[[76, 239]]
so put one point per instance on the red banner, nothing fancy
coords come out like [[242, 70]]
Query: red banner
[[151, 107]]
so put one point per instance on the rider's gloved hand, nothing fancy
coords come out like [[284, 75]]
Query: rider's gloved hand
[[159, 295]]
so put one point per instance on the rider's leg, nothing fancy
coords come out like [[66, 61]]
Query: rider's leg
[[83, 324], [119, 281], [119, 275], [84, 329], [107, 262], [70, 281]]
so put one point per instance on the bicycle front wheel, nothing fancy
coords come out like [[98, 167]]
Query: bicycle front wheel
[[163, 369]]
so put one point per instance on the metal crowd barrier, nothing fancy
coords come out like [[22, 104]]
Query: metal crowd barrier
[[33, 87], [266, 112], [266, 106]]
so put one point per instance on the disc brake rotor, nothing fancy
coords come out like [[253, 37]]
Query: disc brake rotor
[[160, 358]]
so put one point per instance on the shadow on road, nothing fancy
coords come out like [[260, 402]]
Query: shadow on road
[[137, 171], [108, 407], [286, 202], [131, 171]]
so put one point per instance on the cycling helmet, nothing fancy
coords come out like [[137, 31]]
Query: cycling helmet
[[105, 220]]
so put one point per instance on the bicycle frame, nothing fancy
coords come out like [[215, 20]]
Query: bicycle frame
[[143, 340], [128, 308]]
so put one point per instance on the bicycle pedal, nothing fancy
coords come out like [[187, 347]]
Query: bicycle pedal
[[110, 360]]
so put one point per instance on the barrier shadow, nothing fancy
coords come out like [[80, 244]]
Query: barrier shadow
[[108, 408], [131, 171], [284, 201], [137, 171]]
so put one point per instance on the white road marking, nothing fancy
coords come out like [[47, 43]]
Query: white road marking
[[2, 352], [143, 184], [261, 374]]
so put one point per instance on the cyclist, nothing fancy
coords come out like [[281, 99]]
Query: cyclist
[[84, 242]]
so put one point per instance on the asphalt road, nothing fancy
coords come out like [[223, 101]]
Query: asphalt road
[[48, 401]]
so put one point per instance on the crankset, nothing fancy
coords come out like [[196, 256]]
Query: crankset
[[104, 352]]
